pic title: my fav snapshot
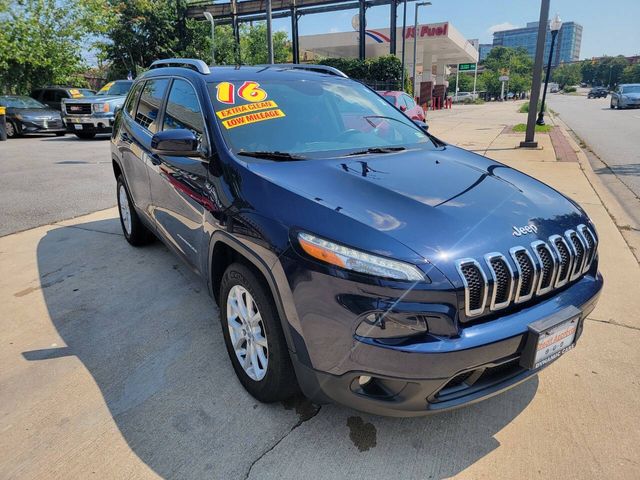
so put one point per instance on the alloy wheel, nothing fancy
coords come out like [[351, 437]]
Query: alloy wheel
[[10, 130], [247, 333], [125, 209]]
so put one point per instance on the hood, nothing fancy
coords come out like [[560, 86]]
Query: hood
[[47, 113], [634, 95], [444, 204], [95, 99]]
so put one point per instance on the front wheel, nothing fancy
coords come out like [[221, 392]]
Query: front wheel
[[134, 230], [60, 134], [253, 336], [611, 105], [11, 129]]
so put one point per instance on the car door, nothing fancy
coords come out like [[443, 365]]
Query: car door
[[413, 110], [139, 122], [178, 183]]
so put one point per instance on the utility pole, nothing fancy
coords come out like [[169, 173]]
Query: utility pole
[[529, 141]]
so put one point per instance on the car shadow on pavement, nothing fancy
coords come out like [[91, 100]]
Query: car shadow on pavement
[[632, 169], [147, 331]]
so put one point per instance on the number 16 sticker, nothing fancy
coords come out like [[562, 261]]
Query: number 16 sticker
[[249, 91]]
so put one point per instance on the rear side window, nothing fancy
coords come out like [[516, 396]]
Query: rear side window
[[132, 99], [183, 109], [150, 102], [49, 96]]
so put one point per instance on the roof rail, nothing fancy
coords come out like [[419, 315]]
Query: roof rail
[[192, 63], [313, 68]]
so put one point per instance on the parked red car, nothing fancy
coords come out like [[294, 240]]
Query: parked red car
[[405, 103]]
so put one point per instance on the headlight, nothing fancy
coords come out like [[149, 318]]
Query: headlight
[[100, 107], [357, 260]]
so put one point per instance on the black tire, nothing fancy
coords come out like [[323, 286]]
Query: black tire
[[279, 382], [60, 134], [135, 232], [85, 135], [12, 129], [611, 105]]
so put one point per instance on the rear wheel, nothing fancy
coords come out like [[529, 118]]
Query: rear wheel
[[60, 134], [253, 336], [134, 230], [85, 135]]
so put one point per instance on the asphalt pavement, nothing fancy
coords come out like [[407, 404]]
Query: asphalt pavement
[[612, 135], [44, 179]]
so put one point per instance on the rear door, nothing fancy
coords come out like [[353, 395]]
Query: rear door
[[178, 183]]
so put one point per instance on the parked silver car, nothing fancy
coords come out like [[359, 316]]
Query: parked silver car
[[626, 95]]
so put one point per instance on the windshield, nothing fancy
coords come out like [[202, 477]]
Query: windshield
[[631, 89], [116, 88], [319, 117], [20, 102]]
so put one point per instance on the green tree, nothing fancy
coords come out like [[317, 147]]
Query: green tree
[[631, 74], [253, 45], [514, 62], [567, 74], [381, 73], [41, 41]]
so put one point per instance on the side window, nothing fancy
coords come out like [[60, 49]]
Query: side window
[[150, 102], [59, 95], [409, 101], [49, 96], [183, 109], [132, 99]]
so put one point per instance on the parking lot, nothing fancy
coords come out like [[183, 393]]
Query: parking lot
[[113, 361], [45, 178]]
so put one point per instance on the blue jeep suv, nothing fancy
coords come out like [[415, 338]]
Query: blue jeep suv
[[353, 256]]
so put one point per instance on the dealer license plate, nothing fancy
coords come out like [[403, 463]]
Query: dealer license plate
[[554, 342], [551, 337], [77, 126]]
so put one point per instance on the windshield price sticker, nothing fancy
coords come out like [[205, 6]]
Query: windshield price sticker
[[75, 93], [252, 118], [106, 87], [249, 91], [251, 107]]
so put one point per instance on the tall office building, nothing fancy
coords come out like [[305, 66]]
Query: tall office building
[[567, 48]]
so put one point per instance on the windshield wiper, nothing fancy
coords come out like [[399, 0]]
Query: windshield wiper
[[377, 150], [281, 156]]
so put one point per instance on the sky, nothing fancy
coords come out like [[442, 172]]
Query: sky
[[609, 28]]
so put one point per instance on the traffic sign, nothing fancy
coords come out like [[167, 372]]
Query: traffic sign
[[504, 78], [465, 67]]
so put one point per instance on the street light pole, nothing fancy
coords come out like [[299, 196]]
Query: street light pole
[[209, 17], [555, 26], [404, 39], [415, 44], [529, 139]]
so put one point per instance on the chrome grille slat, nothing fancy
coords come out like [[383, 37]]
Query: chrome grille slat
[[527, 271], [578, 251], [527, 274], [547, 266], [503, 280], [475, 286], [564, 255]]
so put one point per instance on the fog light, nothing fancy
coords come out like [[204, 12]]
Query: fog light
[[363, 380], [391, 325]]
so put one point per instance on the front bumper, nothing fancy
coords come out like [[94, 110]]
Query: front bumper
[[412, 377], [89, 123], [41, 126]]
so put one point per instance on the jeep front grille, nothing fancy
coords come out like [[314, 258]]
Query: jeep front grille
[[527, 272]]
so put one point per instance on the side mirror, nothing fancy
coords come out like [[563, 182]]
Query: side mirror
[[403, 108], [178, 143], [117, 109], [422, 125]]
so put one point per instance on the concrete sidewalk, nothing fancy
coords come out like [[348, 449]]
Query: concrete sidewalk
[[113, 366]]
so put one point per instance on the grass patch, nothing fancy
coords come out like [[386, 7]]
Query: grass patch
[[524, 108], [522, 127]]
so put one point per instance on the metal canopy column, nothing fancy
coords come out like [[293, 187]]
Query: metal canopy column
[[269, 35], [393, 27], [361, 31], [235, 26], [295, 40]]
